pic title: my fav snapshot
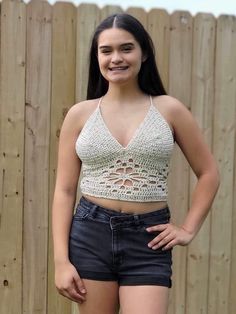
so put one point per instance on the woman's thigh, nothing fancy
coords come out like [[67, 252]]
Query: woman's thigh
[[143, 299], [101, 297]]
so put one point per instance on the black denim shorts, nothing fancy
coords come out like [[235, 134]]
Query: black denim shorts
[[111, 246]]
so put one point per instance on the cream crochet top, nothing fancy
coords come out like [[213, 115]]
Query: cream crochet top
[[137, 172]]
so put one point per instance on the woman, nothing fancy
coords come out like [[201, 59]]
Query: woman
[[116, 249]]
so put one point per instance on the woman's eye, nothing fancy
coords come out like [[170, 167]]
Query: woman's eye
[[127, 49], [105, 51]]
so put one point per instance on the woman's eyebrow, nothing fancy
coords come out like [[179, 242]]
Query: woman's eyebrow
[[122, 45], [127, 44]]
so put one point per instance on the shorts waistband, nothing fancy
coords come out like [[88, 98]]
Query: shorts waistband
[[115, 217]]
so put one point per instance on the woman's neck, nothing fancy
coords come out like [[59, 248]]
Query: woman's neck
[[119, 93]]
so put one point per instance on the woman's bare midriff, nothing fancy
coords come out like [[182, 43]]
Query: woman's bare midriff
[[128, 207]]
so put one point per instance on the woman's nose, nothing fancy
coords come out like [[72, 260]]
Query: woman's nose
[[116, 57]]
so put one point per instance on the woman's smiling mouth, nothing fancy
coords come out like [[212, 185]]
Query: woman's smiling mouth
[[120, 68]]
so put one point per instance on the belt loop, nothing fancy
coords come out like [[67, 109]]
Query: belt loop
[[136, 219], [93, 210]]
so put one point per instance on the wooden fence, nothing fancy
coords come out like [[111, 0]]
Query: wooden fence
[[44, 52]]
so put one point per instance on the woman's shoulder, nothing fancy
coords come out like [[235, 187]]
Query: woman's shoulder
[[81, 111], [169, 102], [170, 106], [83, 108], [173, 110], [78, 114]]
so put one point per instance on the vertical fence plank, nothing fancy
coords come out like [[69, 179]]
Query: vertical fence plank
[[37, 131], [12, 92], [88, 16], [179, 76], [62, 98], [108, 10], [223, 145], [159, 29], [232, 299], [202, 106], [139, 14]]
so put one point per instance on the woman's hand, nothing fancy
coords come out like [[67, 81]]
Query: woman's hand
[[169, 236], [68, 282]]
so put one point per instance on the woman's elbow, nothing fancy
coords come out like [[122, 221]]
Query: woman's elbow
[[215, 175]]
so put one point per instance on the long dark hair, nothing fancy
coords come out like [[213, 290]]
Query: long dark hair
[[148, 78]]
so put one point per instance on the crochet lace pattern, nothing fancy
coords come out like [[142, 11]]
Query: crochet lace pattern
[[137, 172]]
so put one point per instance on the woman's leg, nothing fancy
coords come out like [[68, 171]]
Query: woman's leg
[[101, 297], [143, 299]]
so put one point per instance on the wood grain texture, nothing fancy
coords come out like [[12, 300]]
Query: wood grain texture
[[139, 13], [158, 27], [62, 98], [12, 106], [179, 76], [109, 10], [88, 17], [232, 299], [37, 134], [202, 107], [224, 150]]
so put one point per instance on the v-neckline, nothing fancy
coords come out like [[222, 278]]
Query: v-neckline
[[136, 132]]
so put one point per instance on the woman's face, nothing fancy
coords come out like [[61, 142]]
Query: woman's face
[[119, 56]]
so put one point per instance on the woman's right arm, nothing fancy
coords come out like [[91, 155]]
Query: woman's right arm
[[67, 279]]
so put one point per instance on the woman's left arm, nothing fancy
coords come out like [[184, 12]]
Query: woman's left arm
[[191, 141]]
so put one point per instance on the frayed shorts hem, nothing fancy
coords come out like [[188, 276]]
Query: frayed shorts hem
[[127, 280]]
